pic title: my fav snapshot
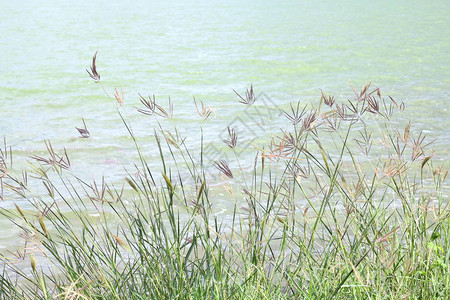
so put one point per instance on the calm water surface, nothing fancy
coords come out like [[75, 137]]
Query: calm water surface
[[205, 49]]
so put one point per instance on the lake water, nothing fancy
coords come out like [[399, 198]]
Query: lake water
[[204, 49]]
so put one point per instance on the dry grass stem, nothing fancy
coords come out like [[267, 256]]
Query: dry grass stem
[[119, 96]]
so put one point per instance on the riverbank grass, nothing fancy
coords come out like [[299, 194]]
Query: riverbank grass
[[347, 202]]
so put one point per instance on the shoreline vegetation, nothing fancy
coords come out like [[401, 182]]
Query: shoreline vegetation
[[348, 202]]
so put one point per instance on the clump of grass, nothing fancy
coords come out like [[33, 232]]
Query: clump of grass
[[340, 204]]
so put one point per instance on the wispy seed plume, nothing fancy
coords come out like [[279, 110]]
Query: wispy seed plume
[[223, 167], [232, 138], [250, 97], [93, 73], [84, 131]]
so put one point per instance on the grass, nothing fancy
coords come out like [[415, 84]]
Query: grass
[[348, 202]]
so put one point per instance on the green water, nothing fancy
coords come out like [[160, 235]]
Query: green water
[[205, 49]]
